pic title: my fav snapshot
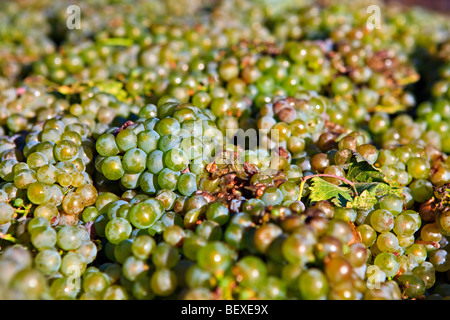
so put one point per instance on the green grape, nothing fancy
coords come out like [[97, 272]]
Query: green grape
[[72, 265], [43, 238], [388, 263], [427, 273], [117, 230], [274, 289], [68, 238], [126, 140], [88, 251], [95, 282], [64, 179], [443, 222], [214, 256], [6, 212], [167, 125], [415, 215], [196, 277], [38, 192], [141, 288], [387, 242], [112, 168], [63, 289], [163, 282], [88, 193], [6, 169], [339, 229], [168, 142], [217, 212], [148, 111], [418, 168], [405, 242], [416, 251], [148, 183], [104, 198], [165, 256], [143, 246], [421, 190], [134, 161], [290, 191], [265, 235], [413, 286], [73, 203], [168, 179], [194, 148], [440, 260], [155, 162], [115, 292], [36, 223], [106, 145], [47, 211], [176, 159], [313, 285], [47, 261], [209, 230], [36, 160], [122, 250], [233, 236], [174, 235], [272, 196], [382, 220], [405, 225], [393, 203], [250, 271], [31, 282], [47, 174], [24, 178], [112, 209], [132, 268], [345, 214], [297, 250], [357, 255], [338, 270], [148, 140], [143, 215], [187, 183], [328, 246], [191, 246], [65, 151]]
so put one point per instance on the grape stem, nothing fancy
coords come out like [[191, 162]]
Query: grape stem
[[25, 211], [302, 184], [433, 243], [8, 237]]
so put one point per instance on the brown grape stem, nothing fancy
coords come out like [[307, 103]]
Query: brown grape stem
[[302, 184], [433, 243]]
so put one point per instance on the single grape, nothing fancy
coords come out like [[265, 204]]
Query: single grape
[[117, 230]]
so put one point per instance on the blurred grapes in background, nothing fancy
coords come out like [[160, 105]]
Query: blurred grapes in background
[[438, 5]]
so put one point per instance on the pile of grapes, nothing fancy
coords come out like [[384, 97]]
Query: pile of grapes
[[224, 149]]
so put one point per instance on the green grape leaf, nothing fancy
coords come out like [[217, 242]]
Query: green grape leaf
[[111, 87], [377, 188], [365, 200], [367, 186], [360, 170], [321, 189]]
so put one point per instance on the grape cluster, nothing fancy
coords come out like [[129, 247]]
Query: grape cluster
[[224, 150]]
